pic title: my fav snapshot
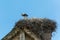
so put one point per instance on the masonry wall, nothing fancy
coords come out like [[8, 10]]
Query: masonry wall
[[46, 36], [17, 37], [28, 37]]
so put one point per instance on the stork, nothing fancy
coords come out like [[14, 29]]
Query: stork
[[25, 16]]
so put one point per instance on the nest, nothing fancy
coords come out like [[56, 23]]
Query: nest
[[37, 26]]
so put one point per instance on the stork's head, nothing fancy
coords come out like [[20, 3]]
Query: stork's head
[[24, 15]]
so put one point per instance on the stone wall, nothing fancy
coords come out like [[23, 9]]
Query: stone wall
[[46, 36], [17, 37]]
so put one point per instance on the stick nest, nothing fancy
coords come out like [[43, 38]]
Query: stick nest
[[37, 26]]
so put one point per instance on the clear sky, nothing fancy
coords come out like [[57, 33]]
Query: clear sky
[[10, 11]]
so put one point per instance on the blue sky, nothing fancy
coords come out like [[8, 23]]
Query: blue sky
[[10, 13]]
